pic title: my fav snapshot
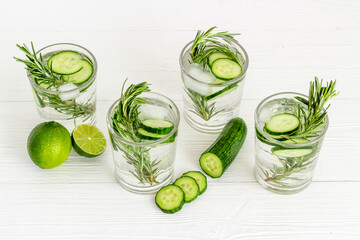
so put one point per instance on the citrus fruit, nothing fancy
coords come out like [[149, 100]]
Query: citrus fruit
[[49, 144], [88, 140]]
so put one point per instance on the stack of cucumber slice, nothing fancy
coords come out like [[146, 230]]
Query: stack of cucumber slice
[[155, 129], [171, 198], [72, 66], [224, 68], [279, 127]]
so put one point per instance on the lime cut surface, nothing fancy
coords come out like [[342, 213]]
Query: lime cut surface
[[88, 140]]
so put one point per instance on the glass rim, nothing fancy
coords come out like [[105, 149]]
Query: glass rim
[[148, 143], [272, 140], [226, 83], [79, 88]]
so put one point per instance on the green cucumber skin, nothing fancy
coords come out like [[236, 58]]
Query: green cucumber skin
[[160, 131], [207, 98], [169, 140], [228, 144]]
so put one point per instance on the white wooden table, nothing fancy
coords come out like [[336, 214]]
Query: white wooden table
[[288, 44]]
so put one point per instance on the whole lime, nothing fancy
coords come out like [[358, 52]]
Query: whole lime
[[49, 144]]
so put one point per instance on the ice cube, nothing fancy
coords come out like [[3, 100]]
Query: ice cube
[[66, 93], [196, 71]]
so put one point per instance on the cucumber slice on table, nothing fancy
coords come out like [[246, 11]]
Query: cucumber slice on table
[[291, 152], [283, 123], [226, 69], [219, 156], [157, 126], [199, 178], [216, 56], [189, 186], [81, 76], [225, 91], [170, 199], [65, 62]]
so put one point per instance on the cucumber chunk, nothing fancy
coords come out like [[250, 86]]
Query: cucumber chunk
[[65, 62], [219, 156], [81, 76], [223, 92], [226, 69], [283, 123], [189, 186], [157, 126], [170, 199], [199, 178], [291, 152], [216, 56]]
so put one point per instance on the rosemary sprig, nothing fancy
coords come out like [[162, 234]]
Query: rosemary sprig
[[207, 42], [38, 68], [202, 108], [44, 76], [125, 122], [314, 117]]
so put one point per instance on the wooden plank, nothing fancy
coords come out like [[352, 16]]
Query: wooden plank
[[225, 211]]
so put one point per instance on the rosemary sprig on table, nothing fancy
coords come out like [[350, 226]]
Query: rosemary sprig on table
[[125, 122], [44, 76]]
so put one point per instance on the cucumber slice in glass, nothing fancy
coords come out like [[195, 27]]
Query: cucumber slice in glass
[[226, 69], [65, 62], [157, 126], [223, 92], [189, 186], [291, 152], [216, 56], [282, 124], [81, 76], [170, 199]]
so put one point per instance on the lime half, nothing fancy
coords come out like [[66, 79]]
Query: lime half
[[88, 141]]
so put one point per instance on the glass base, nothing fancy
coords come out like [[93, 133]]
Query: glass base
[[202, 128], [284, 191], [144, 189]]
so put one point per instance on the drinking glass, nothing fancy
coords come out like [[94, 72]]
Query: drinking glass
[[145, 167], [209, 105], [70, 107], [284, 166]]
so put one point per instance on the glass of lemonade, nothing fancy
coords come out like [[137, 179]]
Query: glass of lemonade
[[285, 164], [212, 92], [70, 99], [147, 165]]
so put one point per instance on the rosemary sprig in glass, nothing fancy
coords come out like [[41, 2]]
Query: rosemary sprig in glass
[[206, 43], [312, 119], [125, 122], [45, 77]]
